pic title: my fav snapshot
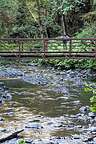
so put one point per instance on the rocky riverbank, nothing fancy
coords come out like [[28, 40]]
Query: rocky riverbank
[[4, 93]]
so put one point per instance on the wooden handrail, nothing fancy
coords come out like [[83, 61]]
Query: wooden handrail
[[20, 41], [40, 39]]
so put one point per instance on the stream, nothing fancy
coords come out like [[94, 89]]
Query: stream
[[49, 104]]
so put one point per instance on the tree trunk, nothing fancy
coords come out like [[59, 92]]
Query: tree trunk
[[93, 4], [63, 25], [45, 26], [39, 17]]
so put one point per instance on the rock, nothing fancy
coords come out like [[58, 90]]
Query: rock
[[3, 130], [8, 96], [1, 119], [94, 139], [10, 72], [6, 88], [78, 115], [4, 93], [32, 64], [28, 141], [34, 126], [1, 84], [1, 100], [72, 74], [76, 136], [9, 113], [84, 109], [92, 129], [92, 115]]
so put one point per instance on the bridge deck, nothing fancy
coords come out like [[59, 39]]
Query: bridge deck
[[49, 54]]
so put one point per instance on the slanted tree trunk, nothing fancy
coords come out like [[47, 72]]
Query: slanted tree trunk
[[63, 25], [45, 27], [39, 19]]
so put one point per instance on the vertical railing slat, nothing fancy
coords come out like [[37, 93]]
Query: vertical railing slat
[[70, 47]]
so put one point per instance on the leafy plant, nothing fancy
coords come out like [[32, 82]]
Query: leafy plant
[[21, 142], [90, 88]]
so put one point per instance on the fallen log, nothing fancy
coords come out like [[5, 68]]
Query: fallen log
[[10, 136]]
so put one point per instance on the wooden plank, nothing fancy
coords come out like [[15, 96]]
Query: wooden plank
[[84, 55]]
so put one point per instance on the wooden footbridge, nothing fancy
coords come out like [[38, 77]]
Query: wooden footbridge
[[48, 47]]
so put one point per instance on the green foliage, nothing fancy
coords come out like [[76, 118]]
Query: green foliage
[[73, 64], [24, 18], [88, 31], [89, 18], [21, 142], [64, 6], [89, 88], [8, 10], [9, 7]]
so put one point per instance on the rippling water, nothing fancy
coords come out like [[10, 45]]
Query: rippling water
[[46, 109]]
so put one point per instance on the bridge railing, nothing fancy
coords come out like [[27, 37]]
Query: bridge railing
[[48, 45]]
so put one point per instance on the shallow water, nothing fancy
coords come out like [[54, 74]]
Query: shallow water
[[45, 111]]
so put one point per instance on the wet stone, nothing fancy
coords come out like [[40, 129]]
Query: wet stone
[[10, 72], [28, 141], [1, 84], [84, 109], [6, 88], [32, 64], [4, 93], [7, 96], [1, 119], [1, 100], [34, 126], [92, 129], [92, 115], [9, 114], [3, 130], [76, 136]]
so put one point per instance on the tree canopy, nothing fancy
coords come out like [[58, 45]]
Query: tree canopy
[[43, 18]]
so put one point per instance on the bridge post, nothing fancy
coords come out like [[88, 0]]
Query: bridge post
[[22, 47], [19, 50], [45, 47], [70, 47]]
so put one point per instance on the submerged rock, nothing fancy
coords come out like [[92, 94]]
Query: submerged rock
[[10, 72], [1, 119], [92, 129], [92, 115], [84, 109], [4, 93], [1, 84], [28, 141], [3, 130], [34, 126], [7, 96], [1, 100]]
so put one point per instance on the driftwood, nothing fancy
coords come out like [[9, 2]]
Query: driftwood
[[90, 138], [10, 136]]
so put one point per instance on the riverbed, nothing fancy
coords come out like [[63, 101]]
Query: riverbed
[[51, 105]]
